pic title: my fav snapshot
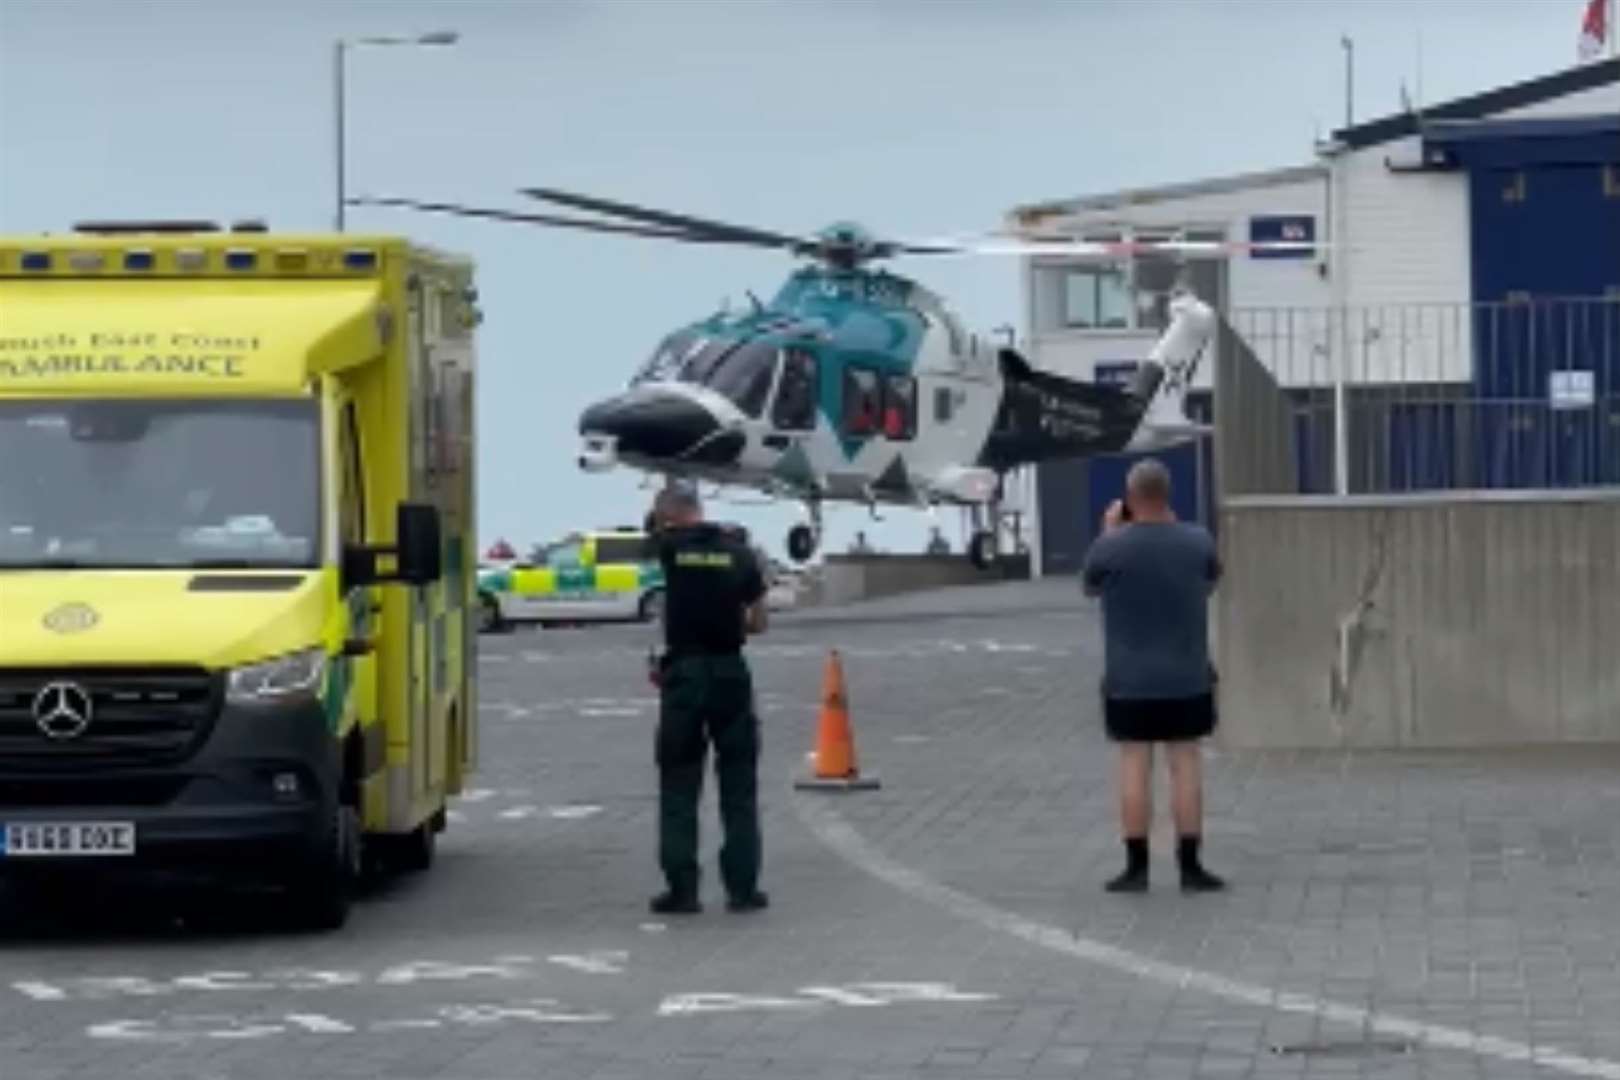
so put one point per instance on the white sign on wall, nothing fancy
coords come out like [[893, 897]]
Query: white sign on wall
[[1571, 389]]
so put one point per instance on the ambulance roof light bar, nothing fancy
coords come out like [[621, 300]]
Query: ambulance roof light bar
[[116, 228]]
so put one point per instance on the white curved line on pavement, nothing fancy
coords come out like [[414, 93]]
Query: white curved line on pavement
[[837, 834]]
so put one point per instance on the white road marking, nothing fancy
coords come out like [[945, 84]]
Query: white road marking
[[691, 1004], [511, 967], [187, 1028], [405, 1025], [477, 795], [571, 813], [653, 927], [601, 962], [856, 995], [518, 813], [455, 816], [993, 646], [320, 1025], [841, 838], [539, 1011], [596, 711], [39, 991], [840, 996]]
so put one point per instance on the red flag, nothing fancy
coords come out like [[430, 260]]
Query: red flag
[[1594, 29]]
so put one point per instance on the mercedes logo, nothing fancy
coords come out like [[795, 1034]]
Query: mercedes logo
[[62, 710]]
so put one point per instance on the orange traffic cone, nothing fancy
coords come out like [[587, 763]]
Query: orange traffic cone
[[832, 765]]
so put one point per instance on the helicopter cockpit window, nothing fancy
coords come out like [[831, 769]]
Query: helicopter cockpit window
[[863, 401], [668, 358], [795, 408], [743, 375], [899, 407]]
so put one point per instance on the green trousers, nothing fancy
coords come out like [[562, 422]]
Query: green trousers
[[708, 699]]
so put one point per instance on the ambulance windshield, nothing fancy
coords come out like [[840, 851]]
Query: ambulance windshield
[[149, 483]]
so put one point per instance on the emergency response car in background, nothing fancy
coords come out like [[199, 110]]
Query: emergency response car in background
[[599, 576], [235, 554]]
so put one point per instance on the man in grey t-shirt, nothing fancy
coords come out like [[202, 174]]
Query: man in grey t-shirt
[[1154, 576]]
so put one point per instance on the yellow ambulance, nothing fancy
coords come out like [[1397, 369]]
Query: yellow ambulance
[[236, 554]]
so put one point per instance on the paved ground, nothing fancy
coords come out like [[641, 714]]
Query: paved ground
[[1430, 916]]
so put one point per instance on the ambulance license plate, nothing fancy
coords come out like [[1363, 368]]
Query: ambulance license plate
[[72, 838]]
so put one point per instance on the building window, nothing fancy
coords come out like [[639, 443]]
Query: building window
[[1131, 293], [1096, 298]]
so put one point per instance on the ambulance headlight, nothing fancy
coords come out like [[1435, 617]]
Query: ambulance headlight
[[282, 678]]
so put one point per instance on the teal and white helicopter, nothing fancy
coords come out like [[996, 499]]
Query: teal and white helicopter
[[858, 385]]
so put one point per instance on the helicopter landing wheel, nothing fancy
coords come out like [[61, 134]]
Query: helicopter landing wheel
[[982, 550], [801, 543]]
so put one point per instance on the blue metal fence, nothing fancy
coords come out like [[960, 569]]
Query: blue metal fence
[[1518, 394]]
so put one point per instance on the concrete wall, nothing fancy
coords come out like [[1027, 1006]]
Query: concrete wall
[[848, 579], [1420, 621]]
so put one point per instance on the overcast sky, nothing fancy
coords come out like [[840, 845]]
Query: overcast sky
[[916, 117]]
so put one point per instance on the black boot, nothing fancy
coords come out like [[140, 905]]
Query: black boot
[[743, 902], [1135, 877], [1194, 878], [675, 903]]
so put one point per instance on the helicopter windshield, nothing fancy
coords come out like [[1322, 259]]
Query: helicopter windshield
[[667, 359], [741, 374]]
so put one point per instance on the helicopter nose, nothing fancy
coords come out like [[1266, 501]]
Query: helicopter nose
[[663, 426]]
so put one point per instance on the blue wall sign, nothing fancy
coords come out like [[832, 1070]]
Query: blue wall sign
[[1283, 228]]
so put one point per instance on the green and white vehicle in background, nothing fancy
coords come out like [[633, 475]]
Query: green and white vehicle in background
[[600, 576]]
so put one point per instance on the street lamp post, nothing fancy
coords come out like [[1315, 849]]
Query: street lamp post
[[339, 51]]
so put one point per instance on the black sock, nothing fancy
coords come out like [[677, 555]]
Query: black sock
[[1187, 853], [1136, 854]]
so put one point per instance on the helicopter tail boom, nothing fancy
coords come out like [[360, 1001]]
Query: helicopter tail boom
[[1046, 417]]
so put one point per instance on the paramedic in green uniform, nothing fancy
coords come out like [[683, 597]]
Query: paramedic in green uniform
[[714, 598]]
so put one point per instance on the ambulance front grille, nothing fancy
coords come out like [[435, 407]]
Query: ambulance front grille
[[136, 715]]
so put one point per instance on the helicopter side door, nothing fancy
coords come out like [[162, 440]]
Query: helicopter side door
[[796, 402], [958, 395]]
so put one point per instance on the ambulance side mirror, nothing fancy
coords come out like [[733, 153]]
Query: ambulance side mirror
[[420, 551], [417, 552]]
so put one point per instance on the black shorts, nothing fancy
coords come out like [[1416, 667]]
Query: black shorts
[[1159, 719]]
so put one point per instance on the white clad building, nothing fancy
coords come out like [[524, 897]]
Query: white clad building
[[1451, 241]]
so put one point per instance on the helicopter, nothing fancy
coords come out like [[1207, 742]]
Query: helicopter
[[857, 385]]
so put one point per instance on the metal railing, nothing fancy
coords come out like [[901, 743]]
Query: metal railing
[[1420, 397]]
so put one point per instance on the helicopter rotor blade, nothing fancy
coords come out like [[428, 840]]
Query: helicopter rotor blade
[[1025, 246], [719, 229], [459, 210]]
